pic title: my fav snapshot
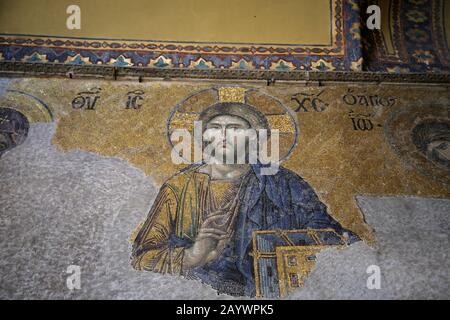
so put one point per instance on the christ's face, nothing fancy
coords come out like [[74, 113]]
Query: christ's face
[[218, 130]]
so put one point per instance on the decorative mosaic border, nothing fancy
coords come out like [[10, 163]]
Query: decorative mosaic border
[[343, 53], [419, 38], [25, 69], [439, 34]]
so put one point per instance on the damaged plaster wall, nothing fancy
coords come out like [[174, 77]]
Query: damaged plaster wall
[[412, 253], [59, 209]]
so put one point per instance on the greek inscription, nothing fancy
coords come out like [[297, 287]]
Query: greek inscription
[[362, 122], [307, 102], [352, 99], [134, 99], [87, 99]]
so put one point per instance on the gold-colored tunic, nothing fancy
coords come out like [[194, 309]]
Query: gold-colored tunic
[[180, 208]]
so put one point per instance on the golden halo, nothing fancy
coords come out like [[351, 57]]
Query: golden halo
[[277, 114], [399, 132], [33, 108]]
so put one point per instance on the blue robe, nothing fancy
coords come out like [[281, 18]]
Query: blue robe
[[281, 201]]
